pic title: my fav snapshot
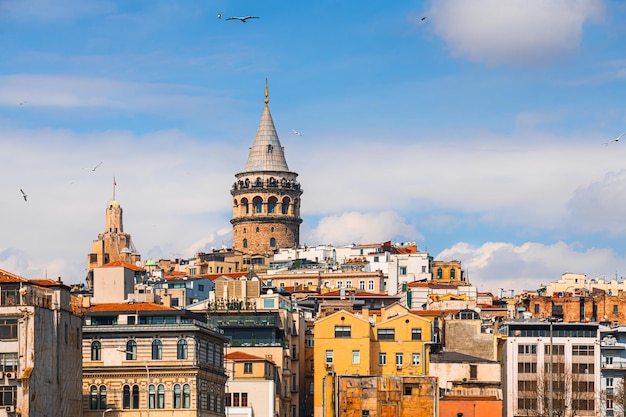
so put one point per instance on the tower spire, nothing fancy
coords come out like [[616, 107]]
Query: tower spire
[[266, 93]]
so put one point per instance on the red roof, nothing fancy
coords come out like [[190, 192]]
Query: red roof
[[213, 277], [129, 307], [356, 294], [124, 264], [46, 282], [9, 277], [240, 356]]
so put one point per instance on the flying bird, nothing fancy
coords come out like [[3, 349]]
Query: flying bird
[[23, 102], [24, 195], [423, 18], [295, 132], [243, 19], [219, 15], [94, 168], [614, 140]]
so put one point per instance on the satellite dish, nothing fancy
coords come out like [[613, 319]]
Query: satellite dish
[[270, 291], [138, 263]]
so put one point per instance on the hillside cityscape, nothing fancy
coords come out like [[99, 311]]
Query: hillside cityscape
[[273, 328]]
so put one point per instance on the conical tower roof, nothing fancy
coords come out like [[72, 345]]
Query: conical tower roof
[[266, 153]]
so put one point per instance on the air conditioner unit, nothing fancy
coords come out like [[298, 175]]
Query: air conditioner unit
[[10, 375], [10, 408], [329, 364]]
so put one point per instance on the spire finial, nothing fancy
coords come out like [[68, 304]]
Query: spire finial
[[266, 93]]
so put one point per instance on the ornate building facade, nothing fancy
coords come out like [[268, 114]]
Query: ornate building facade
[[266, 196]]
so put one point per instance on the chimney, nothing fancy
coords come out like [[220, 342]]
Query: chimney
[[365, 312]]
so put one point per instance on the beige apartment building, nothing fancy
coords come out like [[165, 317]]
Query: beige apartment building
[[145, 359], [40, 354]]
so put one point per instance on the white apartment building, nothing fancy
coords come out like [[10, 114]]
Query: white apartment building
[[551, 366], [613, 374]]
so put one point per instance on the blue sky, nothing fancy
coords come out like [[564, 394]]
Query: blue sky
[[477, 132]]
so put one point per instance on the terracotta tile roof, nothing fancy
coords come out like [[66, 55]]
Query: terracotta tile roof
[[9, 277], [95, 308], [124, 264], [356, 294], [239, 356], [46, 282]]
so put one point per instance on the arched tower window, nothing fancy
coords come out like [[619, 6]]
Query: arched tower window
[[245, 206], [245, 243], [258, 182], [126, 397], [258, 204], [452, 273], [285, 205], [271, 204], [439, 273], [272, 242]]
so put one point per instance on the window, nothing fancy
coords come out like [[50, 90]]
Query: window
[[527, 349], [382, 358], [186, 396], [258, 206], [96, 351], [330, 356], [370, 285], [157, 349], [135, 404], [151, 397], [236, 399], [609, 382], [348, 284], [615, 310], [473, 371], [609, 360], [582, 350], [181, 350], [245, 243], [415, 359], [386, 334], [399, 359], [161, 396], [356, 357], [272, 242], [271, 205], [244, 399], [416, 334], [361, 285], [339, 284], [343, 332], [126, 397], [403, 270], [439, 273], [452, 274], [8, 362], [131, 350], [177, 396], [102, 398], [247, 367], [536, 308], [8, 328]]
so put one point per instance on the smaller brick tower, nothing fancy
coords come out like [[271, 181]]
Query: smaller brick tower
[[266, 196]]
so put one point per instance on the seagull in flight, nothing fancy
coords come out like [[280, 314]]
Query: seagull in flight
[[219, 15], [614, 140], [295, 132], [94, 168], [243, 19], [24, 195]]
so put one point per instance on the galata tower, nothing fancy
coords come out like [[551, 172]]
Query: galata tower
[[266, 196]]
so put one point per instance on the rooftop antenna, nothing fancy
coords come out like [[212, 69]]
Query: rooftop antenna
[[114, 184]]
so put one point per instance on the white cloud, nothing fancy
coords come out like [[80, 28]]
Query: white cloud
[[513, 31], [355, 227], [525, 267]]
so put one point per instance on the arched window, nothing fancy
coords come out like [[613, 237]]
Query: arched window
[[157, 349], [258, 229], [131, 350], [126, 397], [151, 396], [452, 273], [93, 397], [186, 396], [135, 396], [161, 396], [96, 351], [272, 229], [177, 397], [103, 397], [439, 273], [245, 243], [258, 204], [271, 204], [181, 351], [258, 182], [285, 205], [272, 242]]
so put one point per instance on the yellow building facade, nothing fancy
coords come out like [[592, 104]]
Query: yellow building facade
[[392, 342]]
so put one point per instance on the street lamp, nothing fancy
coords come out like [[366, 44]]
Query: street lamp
[[106, 411], [147, 375]]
